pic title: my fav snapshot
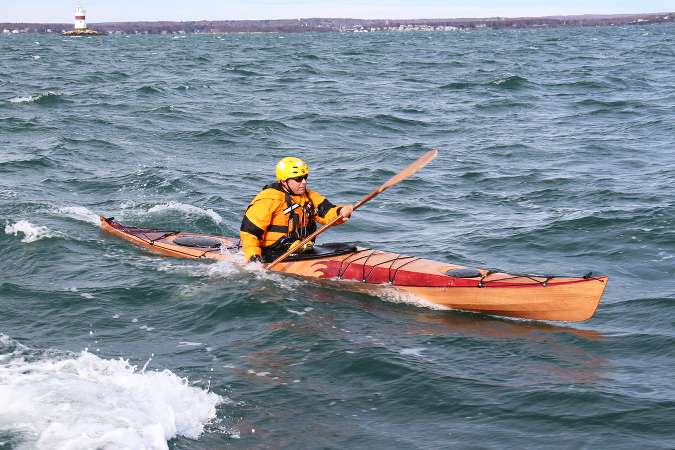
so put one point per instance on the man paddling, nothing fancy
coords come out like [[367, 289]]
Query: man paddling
[[285, 212]]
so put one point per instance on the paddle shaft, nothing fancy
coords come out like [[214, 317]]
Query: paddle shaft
[[402, 175]]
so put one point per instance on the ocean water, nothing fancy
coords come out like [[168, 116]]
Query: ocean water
[[557, 155]]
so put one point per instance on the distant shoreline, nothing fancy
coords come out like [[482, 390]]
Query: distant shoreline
[[344, 25]]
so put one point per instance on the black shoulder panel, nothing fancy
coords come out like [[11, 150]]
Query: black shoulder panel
[[324, 207], [251, 228]]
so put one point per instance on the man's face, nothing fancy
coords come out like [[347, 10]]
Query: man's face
[[297, 185]]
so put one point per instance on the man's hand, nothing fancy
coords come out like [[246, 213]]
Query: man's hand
[[346, 212]]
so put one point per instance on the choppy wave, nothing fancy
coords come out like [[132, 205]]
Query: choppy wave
[[148, 89], [270, 125], [511, 82], [458, 85], [30, 162], [609, 103], [396, 120], [47, 99], [582, 85], [31, 232], [302, 69], [212, 134], [186, 209], [238, 70], [81, 401]]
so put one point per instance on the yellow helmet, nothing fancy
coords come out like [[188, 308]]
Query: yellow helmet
[[290, 167]]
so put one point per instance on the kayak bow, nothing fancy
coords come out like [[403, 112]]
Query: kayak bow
[[539, 297]]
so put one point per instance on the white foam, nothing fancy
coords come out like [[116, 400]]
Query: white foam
[[258, 270], [186, 209], [300, 313], [233, 267], [201, 269], [28, 99], [189, 344], [128, 204], [84, 402], [227, 267], [391, 294], [80, 213], [415, 351], [31, 232], [31, 98]]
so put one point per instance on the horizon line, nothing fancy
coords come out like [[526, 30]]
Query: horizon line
[[371, 19]]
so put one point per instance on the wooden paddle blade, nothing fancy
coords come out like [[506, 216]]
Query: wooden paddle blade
[[402, 175], [411, 169]]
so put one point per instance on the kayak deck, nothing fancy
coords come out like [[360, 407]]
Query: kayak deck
[[539, 297]]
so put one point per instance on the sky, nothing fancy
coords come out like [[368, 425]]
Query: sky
[[61, 11]]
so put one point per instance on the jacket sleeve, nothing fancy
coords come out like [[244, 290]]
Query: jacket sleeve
[[325, 210], [257, 218]]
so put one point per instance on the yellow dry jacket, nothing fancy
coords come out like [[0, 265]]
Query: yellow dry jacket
[[275, 219]]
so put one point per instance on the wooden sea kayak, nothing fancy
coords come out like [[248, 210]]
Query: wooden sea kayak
[[539, 297]]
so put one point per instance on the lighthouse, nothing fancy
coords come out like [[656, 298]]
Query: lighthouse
[[80, 24], [80, 28]]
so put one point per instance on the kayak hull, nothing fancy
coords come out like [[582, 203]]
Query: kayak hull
[[535, 297]]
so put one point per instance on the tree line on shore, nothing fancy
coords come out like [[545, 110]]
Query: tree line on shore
[[345, 25]]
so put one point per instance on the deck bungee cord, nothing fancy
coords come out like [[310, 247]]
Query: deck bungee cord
[[365, 278], [143, 235]]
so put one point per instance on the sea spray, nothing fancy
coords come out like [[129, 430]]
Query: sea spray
[[30, 232], [82, 401]]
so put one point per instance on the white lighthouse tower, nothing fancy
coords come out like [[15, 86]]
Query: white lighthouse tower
[[80, 28], [80, 24]]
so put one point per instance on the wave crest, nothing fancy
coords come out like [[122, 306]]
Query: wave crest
[[511, 82], [48, 99]]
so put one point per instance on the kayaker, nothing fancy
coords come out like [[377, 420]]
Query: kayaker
[[285, 212]]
